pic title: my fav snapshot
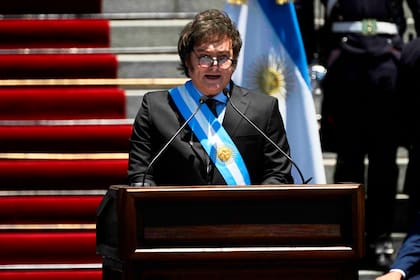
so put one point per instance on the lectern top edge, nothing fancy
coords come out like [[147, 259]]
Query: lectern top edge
[[251, 187]]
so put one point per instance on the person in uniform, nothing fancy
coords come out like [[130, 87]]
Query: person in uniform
[[361, 44], [407, 263]]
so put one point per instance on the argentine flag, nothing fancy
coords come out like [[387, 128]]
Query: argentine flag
[[272, 61]]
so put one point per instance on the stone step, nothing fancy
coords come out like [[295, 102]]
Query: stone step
[[402, 160], [135, 32], [146, 33], [148, 66]]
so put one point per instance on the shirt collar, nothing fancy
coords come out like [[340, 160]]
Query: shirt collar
[[221, 97]]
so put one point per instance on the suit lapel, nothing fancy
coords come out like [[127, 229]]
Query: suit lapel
[[194, 144], [232, 119]]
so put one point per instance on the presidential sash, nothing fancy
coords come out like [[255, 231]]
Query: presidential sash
[[211, 134]]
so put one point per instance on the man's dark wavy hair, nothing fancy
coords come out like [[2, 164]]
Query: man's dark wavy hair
[[207, 26]]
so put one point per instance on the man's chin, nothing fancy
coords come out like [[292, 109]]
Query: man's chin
[[210, 91]]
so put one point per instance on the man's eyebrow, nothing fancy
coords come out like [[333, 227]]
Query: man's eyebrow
[[213, 52]]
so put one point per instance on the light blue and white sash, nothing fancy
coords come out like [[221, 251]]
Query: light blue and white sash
[[211, 134]]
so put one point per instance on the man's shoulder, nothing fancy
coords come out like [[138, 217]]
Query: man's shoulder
[[156, 100], [156, 94], [252, 94]]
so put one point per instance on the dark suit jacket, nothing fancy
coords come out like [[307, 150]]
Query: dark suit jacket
[[184, 162], [408, 258]]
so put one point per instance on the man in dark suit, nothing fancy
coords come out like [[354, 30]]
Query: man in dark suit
[[407, 264], [218, 147]]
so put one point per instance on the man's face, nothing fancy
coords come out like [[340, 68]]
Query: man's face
[[210, 79]]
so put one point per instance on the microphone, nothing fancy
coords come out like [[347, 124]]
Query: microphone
[[228, 95], [163, 149]]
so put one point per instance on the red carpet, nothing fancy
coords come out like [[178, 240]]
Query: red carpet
[[79, 274], [49, 209], [62, 174], [58, 66], [48, 247], [50, 6], [58, 103], [71, 138], [54, 33]]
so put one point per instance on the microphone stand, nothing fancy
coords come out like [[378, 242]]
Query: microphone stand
[[228, 95], [163, 149]]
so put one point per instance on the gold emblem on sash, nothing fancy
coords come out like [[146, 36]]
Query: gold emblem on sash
[[236, 2], [282, 2], [224, 153]]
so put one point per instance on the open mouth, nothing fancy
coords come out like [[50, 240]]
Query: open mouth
[[212, 77]]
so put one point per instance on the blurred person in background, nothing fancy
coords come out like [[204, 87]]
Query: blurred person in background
[[360, 45]]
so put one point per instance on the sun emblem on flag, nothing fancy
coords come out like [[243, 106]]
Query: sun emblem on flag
[[270, 80], [271, 75]]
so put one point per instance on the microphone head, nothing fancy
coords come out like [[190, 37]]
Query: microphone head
[[203, 99], [226, 92]]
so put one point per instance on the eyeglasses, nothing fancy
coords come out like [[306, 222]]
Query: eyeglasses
[[206, 61]]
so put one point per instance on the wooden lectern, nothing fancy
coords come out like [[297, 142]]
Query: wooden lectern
[[221, 232]]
